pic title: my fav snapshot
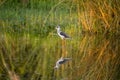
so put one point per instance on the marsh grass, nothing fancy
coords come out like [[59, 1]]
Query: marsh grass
[[30, 46]]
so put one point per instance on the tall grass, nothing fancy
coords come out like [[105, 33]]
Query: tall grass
[[30, 46]]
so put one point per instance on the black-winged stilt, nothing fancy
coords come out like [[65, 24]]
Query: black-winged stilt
[[62, 34]]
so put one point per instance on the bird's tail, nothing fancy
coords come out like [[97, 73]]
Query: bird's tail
[[67, 59]]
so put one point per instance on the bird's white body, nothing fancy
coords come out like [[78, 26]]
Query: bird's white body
[[61, 35], [61, 61]]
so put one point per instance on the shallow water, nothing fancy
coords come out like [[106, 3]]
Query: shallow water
[[94, 57]]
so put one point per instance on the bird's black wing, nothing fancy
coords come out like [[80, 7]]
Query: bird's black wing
[[64, 60], [61, 62], [63, 34]]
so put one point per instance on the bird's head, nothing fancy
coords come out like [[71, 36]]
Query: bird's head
[[58, 28]]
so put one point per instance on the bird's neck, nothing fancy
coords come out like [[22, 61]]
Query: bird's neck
[[59, 31], [57, 66]]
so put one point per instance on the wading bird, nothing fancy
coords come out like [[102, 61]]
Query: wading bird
[[62, 34], [61, 61]]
